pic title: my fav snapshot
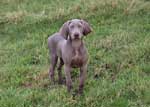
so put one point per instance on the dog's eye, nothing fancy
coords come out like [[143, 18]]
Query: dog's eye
[[72, 27], [79, 26]]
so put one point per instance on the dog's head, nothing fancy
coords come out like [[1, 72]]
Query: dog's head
[[76, 29]]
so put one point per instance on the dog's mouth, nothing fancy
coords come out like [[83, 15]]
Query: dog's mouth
[[76, 38], [73, 37]]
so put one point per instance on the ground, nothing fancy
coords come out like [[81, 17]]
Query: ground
[[119, 52]]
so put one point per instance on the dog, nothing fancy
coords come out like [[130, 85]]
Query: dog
[[68, 46]]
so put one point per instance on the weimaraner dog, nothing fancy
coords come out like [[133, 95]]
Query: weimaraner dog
[[68, 46]]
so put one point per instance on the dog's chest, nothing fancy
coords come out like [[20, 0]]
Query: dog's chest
[[77, 59]]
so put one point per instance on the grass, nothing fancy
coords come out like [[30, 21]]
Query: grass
[[119, 49]]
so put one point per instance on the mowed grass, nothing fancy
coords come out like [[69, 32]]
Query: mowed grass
[[119, 51]]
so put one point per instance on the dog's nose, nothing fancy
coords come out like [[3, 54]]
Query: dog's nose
[[76, 35]]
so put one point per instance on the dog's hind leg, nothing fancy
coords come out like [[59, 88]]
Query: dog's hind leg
[[60, 81], [54, 59]]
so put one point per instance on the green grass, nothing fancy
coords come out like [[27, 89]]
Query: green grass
[[119, 49]]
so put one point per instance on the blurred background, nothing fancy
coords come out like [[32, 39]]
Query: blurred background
[[119, 51]]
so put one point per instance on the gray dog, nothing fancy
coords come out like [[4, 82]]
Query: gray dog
[[68, 45]]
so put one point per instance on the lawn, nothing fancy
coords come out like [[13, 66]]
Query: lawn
[[119, 52]]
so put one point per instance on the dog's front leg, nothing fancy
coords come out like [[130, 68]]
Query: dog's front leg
[[67, 69], [82, 77]]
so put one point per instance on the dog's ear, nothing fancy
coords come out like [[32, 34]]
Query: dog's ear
[[87, 27], [64, 30]]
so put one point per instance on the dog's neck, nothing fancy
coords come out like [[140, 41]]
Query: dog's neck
[[76, 48], [75, 44]]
